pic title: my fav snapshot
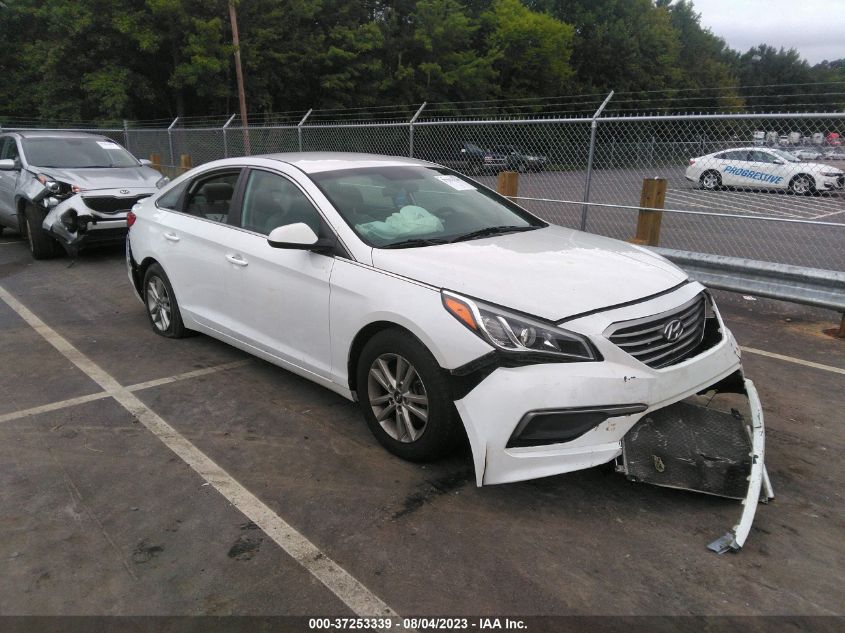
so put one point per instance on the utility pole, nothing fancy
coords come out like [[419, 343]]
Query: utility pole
[[239, 74]]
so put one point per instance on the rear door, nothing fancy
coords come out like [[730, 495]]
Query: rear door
[[732, 167], [193, 244]]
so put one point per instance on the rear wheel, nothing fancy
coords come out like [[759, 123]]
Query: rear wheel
[[710, 180], [41, 245], [162, 307], [405, 398], [802, 185]]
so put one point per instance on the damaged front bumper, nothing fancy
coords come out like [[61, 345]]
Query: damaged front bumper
[[546, 419], [92, 218]]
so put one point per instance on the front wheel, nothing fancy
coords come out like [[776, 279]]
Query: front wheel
[[41, 245], [801, 185], [162, 307], [405, 398]]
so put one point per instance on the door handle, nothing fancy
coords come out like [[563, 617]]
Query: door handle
[[237, 260], [171, 236]]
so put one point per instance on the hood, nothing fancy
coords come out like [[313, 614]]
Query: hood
[[821, 167], [552, 273], [104, 178]]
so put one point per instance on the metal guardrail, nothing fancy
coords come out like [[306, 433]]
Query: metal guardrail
[[796, 284]]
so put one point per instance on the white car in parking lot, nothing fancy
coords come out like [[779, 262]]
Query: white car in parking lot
[[763, 168], [450, 312]]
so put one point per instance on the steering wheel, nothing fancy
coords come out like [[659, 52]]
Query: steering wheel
[[444, 213]]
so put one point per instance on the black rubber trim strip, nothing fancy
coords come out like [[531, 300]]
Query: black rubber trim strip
[[626, 303], [610, 411]]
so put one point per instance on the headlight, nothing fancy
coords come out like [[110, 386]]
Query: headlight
[[162, 181], [515, 333], [832, 174], [57, 187]]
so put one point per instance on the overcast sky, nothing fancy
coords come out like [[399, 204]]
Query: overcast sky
[[815, 27]]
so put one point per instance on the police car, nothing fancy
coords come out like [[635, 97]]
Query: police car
[[763, 168]]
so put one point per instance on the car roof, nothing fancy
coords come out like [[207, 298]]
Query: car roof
[[55, 134], [315, 162], [753, 148]]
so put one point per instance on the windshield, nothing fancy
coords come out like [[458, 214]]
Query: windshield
[[392, 207], [76, 153], [786, 156]]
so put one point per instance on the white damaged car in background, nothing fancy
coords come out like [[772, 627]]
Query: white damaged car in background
[[69, 189], [760, 168], [448, 311]]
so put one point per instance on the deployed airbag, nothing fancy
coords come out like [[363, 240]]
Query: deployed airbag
[[410, 220]]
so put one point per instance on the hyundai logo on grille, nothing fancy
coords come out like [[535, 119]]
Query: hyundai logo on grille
[[672, 331], [124, 191]]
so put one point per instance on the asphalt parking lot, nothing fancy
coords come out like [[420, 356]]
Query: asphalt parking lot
[[144, 476]]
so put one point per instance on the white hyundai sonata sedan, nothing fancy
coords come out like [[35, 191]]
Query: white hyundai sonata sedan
[[449, 312]]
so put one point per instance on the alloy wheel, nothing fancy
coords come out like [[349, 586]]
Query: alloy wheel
[[710, 181], [801, 185], [398, 397], [158, 303]]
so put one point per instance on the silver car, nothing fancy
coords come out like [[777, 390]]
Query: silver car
[[69, 189]]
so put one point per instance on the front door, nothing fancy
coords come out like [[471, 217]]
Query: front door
[[8, 183], [283, 295]]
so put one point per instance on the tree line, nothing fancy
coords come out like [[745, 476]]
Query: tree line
[[75, 60]]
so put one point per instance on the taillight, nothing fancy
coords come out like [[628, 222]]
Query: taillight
[[130, 219], [692, 161]]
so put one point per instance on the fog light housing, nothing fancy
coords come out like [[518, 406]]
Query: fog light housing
[[556, 426], [70, 220]]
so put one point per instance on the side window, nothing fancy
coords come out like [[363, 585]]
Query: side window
[[738, 155], [171, 198], [763, 157], [211, 197], [9, 149], [271, 200]]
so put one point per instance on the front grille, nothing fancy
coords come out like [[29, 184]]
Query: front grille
[[644, 338], [110, 204]]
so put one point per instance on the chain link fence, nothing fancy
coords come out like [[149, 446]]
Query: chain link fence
[[742, 185]]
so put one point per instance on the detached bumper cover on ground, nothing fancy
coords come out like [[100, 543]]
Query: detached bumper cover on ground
[[713, 443]]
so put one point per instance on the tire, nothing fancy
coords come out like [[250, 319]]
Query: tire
[[162, 307], [41, 245], [430, 436], [802, 185], [710, 180]]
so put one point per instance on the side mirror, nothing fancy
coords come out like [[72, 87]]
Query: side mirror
[[298, 236], [8, 164], [145, 162], [463, 150]]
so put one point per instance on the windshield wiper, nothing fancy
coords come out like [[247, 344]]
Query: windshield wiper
[[417, 241], [493, 230]]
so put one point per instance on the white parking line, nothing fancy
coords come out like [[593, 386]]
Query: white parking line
[[72, 402], [187, 375], [355, 595], [53, 406], [792, 359]]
